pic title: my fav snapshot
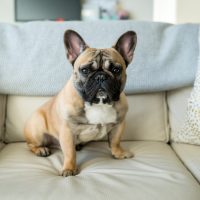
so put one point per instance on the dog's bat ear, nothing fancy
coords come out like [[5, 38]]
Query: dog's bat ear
[[74, 44], [126, 45]]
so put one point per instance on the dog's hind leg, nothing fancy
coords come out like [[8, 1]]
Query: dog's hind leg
[[34, 133]]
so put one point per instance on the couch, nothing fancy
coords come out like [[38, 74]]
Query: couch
[[160, 168]]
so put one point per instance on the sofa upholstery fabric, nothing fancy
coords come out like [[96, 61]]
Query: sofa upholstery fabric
[[189, 154], [147, 109], [33, 67], [154, 173], [2, 115], [19, 109], [177, 108]]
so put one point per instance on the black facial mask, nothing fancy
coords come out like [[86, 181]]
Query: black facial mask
[[108, 84]]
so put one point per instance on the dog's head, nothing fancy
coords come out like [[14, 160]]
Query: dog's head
[[99, 74]]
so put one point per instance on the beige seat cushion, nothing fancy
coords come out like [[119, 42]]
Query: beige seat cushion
[[190, 155], [146, 119], [2, 114], [154, 173]]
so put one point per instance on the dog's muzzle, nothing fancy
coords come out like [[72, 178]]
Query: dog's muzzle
[[101, 87], [101, 94]]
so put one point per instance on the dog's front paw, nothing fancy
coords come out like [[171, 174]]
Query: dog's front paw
[[70, 172], [123, 154]]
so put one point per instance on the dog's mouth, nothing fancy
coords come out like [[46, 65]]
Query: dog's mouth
[[101, 97], [101, 94]]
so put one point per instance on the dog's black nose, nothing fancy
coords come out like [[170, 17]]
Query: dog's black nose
[[100, 78]]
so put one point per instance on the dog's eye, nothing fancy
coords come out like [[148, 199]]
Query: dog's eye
[[85, 70], [116, 70]]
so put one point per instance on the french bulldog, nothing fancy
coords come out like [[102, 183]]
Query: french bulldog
[[90, 106]]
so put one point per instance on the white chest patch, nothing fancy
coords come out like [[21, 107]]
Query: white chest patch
[[100, 113]]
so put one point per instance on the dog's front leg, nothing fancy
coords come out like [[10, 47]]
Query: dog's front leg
[[67, 143], [117, 151]]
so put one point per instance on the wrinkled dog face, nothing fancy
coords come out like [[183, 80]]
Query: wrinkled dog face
[[99, 74]]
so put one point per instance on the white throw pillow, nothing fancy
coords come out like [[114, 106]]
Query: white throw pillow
[[190, 132]]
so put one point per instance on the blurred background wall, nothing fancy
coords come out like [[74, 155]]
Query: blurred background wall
[[173, 11]]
